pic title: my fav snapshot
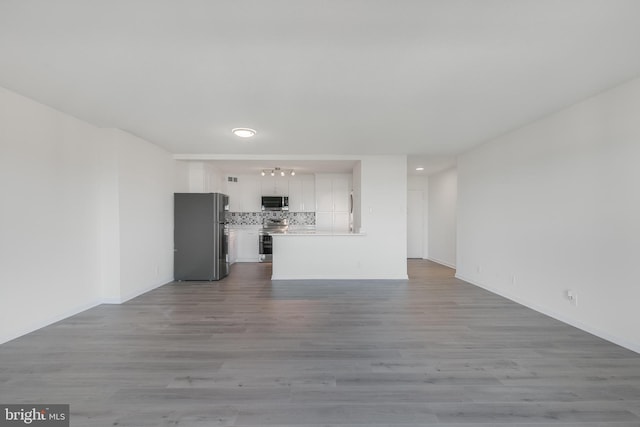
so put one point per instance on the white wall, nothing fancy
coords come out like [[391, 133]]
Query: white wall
[[49, 221], [146, 181], [384, 203], [181, 176], [381, 253], [68, 211], [109, 230], [556, 206], [443, 191]]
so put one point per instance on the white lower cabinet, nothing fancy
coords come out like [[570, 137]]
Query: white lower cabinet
[[247, 244], [232, 246]]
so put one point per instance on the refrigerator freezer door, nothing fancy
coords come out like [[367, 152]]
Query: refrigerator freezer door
[[221, 249], [220, 238]]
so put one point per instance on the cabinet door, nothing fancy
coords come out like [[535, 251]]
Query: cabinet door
[[308, 195], [324, 221], [275, 185], [251, 190], [247, 245], [324, 197], [340, 189], [232, 189], [341, 222], [268, 185], [233, 246], [282, 186], [296, 198]]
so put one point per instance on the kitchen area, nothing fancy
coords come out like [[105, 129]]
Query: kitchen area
[[262, 206], [346, 216], [265, 204]]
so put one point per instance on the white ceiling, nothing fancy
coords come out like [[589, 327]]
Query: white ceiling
[[427, 78]]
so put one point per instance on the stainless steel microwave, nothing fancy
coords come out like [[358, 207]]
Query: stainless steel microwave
[[275, 203]]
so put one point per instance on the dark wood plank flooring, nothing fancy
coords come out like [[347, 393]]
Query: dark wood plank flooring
[[246, 351]]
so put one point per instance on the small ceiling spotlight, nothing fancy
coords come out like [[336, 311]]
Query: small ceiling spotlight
[[293, 173], [420, 168], [273, 173], [243, 132], [263, 173]]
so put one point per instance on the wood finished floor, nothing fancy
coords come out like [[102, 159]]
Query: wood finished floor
[[246, 351]]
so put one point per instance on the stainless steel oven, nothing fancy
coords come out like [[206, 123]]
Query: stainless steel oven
[[265, 241], [265, 247]]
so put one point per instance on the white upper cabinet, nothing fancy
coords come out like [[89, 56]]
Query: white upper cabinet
[[324, 194], [308, 194], [341, 188], [332, 202], [244, 194], [232, 189], [295, 195], [275, 185], [250, 196], [302, 196]]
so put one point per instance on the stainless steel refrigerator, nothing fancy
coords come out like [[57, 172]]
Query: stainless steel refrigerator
[[200, 242]]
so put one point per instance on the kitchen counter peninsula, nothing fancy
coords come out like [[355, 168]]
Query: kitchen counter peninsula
[[316, 254]]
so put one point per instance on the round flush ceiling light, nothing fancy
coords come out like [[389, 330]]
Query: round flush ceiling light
[[243, 132]]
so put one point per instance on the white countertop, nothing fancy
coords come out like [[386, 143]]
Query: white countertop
[[316, 233], [243, 227], [295, 231]]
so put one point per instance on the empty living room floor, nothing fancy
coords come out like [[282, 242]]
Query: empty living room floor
[[246, 351]]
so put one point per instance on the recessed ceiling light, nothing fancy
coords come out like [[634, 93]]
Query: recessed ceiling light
[[243, 132], [420, 168]]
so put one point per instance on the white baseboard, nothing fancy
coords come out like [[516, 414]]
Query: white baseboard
[[338, 277], [49, 321], [633, 346], [110, 300], [439, 261], [131, 295]]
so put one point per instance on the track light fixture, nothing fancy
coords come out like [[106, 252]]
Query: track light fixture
[[279, 171]]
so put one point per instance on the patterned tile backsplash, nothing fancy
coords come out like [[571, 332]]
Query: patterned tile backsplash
[[256, 218]]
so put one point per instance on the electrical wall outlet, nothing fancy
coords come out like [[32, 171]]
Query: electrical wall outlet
[[572, 296]]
